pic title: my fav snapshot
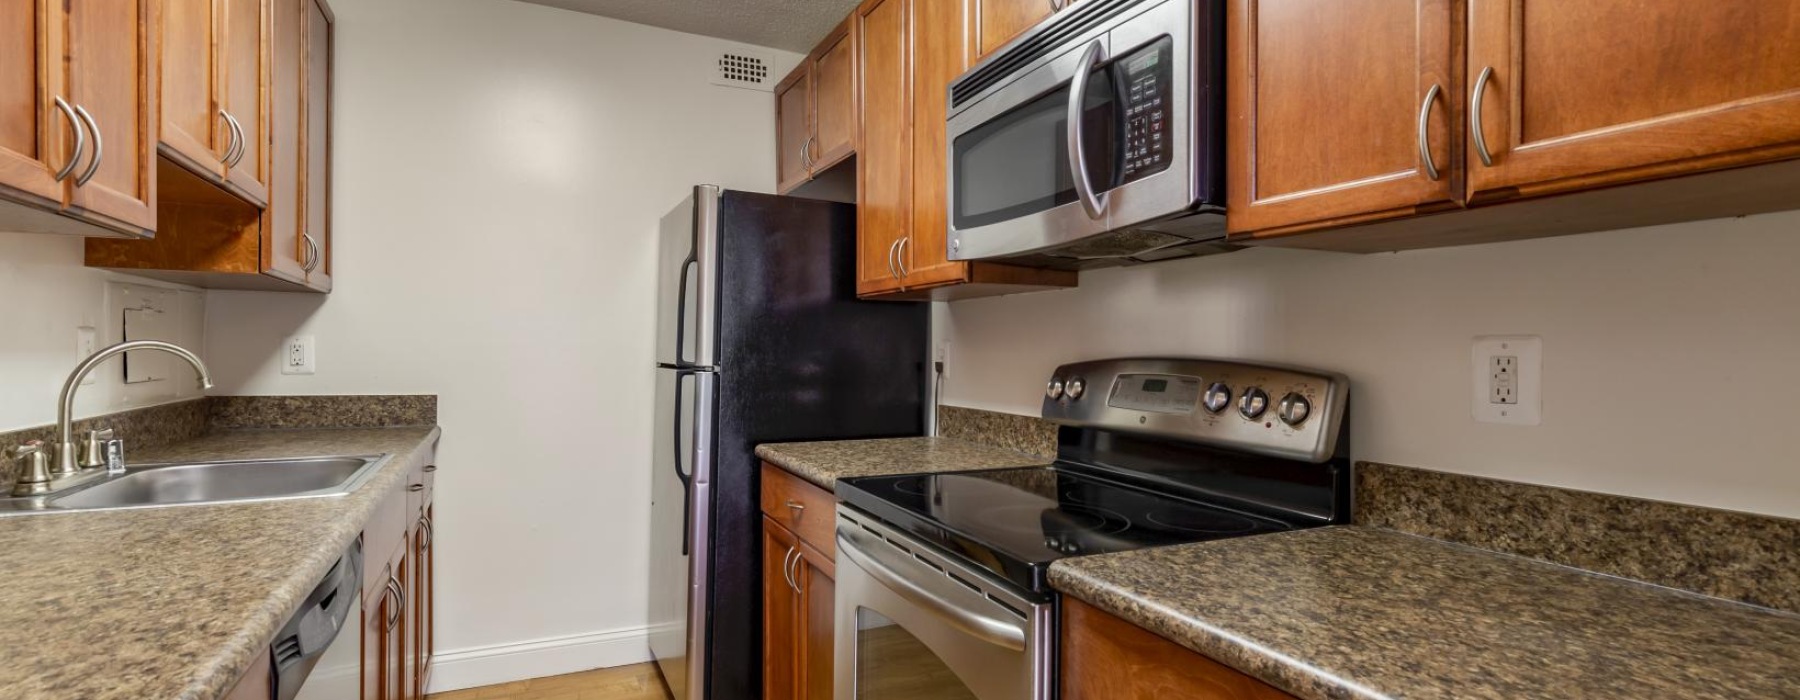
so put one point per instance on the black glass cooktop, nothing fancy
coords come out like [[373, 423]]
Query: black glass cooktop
[[1015, 522]]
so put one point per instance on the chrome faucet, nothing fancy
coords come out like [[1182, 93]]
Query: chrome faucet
[[67, 461]]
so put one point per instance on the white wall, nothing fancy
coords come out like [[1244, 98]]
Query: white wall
[[45, 295], [1671, 354], [500, 171]]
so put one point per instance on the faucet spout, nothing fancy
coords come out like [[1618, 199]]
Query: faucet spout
[[65, 403]]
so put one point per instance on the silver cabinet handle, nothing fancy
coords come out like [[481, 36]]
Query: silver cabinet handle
[[893, 248], [430, 534], [314, 254], [1480, 91], [806, 152], [1084, 188], [900, 257], [80, 139], [99, 147], [231, 134], [243, 142], [1431, 96], [787, 568], [794, 577], [798, 508], [393, 589], [236, 152]]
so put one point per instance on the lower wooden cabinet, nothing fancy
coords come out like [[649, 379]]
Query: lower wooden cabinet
[[1106, 658], [399, 594], [799, 587]]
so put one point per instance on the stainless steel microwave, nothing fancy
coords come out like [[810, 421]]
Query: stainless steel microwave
[[1095, 139]]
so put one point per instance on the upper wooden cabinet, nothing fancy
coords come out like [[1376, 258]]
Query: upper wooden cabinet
[[1383, 147], [1000, 21], [815, 108], [77, 118], [884, 174], [212, 234], [214, 66], [1582, 94]]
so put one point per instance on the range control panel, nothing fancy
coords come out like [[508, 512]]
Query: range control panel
[[1147, 92], [1264, 409]]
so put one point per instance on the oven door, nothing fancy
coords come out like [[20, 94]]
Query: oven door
[[914, 624], [1096, 136]]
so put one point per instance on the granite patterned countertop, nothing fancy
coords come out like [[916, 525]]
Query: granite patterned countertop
[[823, 463], [175, 602], [1353, 612]]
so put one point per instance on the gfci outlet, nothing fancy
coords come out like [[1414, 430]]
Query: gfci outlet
[[298, 356], [1508, 379]]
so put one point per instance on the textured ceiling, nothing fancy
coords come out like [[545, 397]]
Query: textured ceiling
[[794, 25]]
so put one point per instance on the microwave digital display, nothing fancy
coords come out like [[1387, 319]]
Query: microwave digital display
[[1146, 88]]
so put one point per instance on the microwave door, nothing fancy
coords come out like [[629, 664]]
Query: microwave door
[[1012, 178]]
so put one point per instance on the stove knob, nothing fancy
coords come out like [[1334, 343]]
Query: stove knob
[[1055, 389], [1075, 388], [1253, 403], [1218, 396], [1294, 409]]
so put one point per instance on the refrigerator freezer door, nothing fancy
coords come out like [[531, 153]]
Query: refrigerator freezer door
[[687, 309], [680, 532]]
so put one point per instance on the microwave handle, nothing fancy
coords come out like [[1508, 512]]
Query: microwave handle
[[1095, 204]]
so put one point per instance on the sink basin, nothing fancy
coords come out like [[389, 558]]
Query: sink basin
[[211, 482]]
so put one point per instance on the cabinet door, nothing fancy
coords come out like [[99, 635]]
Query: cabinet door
[[409, 615], [110, 77], [834, 99], [781, 613], [394, 684], [939, 56], [793, 127], [192, 127], [1002, 20], [884, 164], [281, 244], [315, 228], [424, 599], [1106, 658], [1599, 92], [818, 590], [244, 72], [374, 636], [1327, 105], [35, 136]]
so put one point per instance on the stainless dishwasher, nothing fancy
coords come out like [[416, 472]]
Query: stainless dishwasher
[[309, 656]]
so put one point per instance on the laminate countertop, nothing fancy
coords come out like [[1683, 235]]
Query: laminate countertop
[[1355, 612], [175, 602], [823, 463]]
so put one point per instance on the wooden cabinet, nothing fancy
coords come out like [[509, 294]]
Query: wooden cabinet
[[1608, 91], [815, 108], [1383, 148], [77, 100], [423, 601], [1000, 21], [799, 586], [213, 65], [399, 592], [384, 632], [215, 237], [1106, 658], [910, 50]]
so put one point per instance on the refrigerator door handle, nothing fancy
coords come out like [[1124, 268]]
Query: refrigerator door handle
[[686, 476], [681, 314]]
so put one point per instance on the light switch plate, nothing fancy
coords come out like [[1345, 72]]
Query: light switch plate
[[1507, 374]]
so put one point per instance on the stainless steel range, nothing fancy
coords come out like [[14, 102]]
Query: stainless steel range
[[941, 588]]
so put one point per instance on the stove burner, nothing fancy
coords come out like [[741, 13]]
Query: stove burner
[[1209, 522], [1034, 520]]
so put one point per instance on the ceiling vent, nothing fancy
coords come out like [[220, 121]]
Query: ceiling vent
[[738, 68]]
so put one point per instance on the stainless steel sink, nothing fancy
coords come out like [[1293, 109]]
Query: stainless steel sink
[[208, 482]]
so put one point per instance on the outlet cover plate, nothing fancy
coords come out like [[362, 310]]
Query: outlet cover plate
[[1528, 382], [299, 355]]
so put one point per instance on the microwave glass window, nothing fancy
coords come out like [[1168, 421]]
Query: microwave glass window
[[1017, 163], [892, 664]]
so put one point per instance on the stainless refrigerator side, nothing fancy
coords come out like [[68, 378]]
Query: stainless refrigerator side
[[687, 282], [680, 508]]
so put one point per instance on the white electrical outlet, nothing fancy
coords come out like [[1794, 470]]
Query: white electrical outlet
[[1508, 376], [298, 356]]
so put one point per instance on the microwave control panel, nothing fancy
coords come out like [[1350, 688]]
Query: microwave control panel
[[1148, 92]]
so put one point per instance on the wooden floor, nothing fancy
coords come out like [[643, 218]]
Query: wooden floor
[[640, 682]]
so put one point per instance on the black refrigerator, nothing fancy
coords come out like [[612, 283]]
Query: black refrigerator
[[760, 338]]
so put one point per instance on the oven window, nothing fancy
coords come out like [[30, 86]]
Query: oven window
[[891, 664], [1017, 164]]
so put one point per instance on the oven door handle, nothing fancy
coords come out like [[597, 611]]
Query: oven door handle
[[999, 632], [1095, 204]]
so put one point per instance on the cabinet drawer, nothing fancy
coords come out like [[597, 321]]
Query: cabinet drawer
[[801, 507]]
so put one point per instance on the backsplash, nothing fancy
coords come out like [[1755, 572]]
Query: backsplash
[[1738, 556], [1029, 434], [156, 426]]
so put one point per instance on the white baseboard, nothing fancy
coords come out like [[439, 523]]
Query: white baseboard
[[503, 663]]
